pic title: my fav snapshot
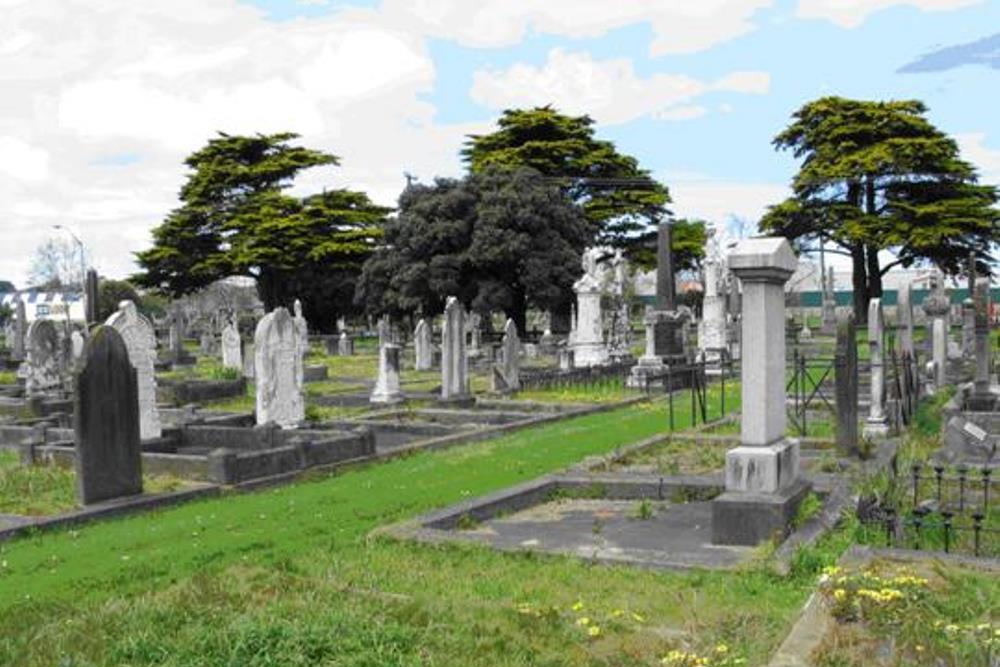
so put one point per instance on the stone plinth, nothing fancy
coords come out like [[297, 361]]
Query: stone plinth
[[663, 332], [763, 487], [588, 343]]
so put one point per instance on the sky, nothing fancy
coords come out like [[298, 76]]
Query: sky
[[101, 100]]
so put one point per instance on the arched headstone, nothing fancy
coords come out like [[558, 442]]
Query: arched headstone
[[140, 341], [108, 454], [44, 361], [232, 354], [278, 370]]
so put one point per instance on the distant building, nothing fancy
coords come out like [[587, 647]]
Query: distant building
[[47, 305]]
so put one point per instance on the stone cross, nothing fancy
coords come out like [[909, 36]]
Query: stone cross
[[232, 352], [278, 370], [846, 382], [302, 328], [387, 389], [17, 350], [877, 424], [44, 363], [763, 484], [454, 361], [423, 346], [936, 306], [106, 409], [140, 341]]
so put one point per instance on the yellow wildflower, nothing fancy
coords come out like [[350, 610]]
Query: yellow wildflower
[[722, 648], [594, 631], [578, 605], [583, 620]]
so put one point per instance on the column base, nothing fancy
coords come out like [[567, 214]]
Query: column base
[[747, 519], [875, 430]]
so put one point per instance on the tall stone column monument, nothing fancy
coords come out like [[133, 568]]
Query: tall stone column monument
[[589, 347], [664, 324], [936, 306], [877, 424], [763, 484]]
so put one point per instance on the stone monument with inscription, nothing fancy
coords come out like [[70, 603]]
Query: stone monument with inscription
[[140, 341], [278, 370]]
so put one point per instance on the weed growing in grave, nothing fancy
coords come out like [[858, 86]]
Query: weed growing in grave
[[720, 656], [808, 508], [467, 522], [223, 373], [643, 510]]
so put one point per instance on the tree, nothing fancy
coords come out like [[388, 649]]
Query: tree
[[55, 263], [110, 293], [687, 243], [500, 239], [235, 219], [879, 176], [618, 197]]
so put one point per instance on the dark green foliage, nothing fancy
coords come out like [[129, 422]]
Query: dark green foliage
[[879, 176], [618, 197], [498, 240], [235, 220], [688, 243]]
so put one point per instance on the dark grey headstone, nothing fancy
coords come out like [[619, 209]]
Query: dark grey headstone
[[108, 458], [90, 296], [666, 298], [846, 377]]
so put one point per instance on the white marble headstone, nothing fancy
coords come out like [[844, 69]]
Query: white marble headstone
[[140, 341], [278, 370]]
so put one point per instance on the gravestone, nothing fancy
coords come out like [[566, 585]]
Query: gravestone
[[968, 327], [620, 340], [712, 328], [248, 359], [877, 424], [106, 420], [90, 297], [384, 330], [828, 318], [278, 370], [206, 343], [846, 381], [17, 350], [507, 377], [473, 323], [454, 362], [77, 342], [175, 338], [302, 329], [588, 335], [44, 363], [387, 389], [982, 397], [763, 484], [345, 345], [968, 442], [665, 323], [423, 349], [140, 341], [908, 352], [936, 307], [232, 352]]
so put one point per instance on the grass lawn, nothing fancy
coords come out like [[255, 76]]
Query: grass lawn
[[288, 577], [42, 490], [8, 377]]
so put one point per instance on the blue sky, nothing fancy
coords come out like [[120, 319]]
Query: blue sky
[[97, 119]]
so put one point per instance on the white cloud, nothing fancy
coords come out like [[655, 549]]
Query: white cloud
[[679, 26], [852, 13], [987, 160], [85, 81], [681, 113], [721, 201], [609, 90], [22, 161]]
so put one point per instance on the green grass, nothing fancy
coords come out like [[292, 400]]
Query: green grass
[[288, 577], [680, 456], [42, 490], [8, 377]]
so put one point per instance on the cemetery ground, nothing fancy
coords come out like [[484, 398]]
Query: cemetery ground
[[293, 575]]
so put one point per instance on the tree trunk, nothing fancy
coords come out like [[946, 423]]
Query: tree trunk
[[874, 274], [519, 312], [859, 283]]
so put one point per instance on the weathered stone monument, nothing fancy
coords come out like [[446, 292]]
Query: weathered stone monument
[[423, 346], [384, 330], [387, 389], [44, 363], [763, 484], [140, 341], [665, 323], [620, 339], [983, 397], [278, 370], [17, 350], [877, 424], [301, 328], [77, 341], [232, 347], [828, 317], [454, 361], [712, 328], [507, 377], [589, 348], [846, 385], [936, 307], [345, 345], [106, 416]]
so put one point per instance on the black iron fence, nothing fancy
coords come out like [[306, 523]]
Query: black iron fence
[[937, 507]]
